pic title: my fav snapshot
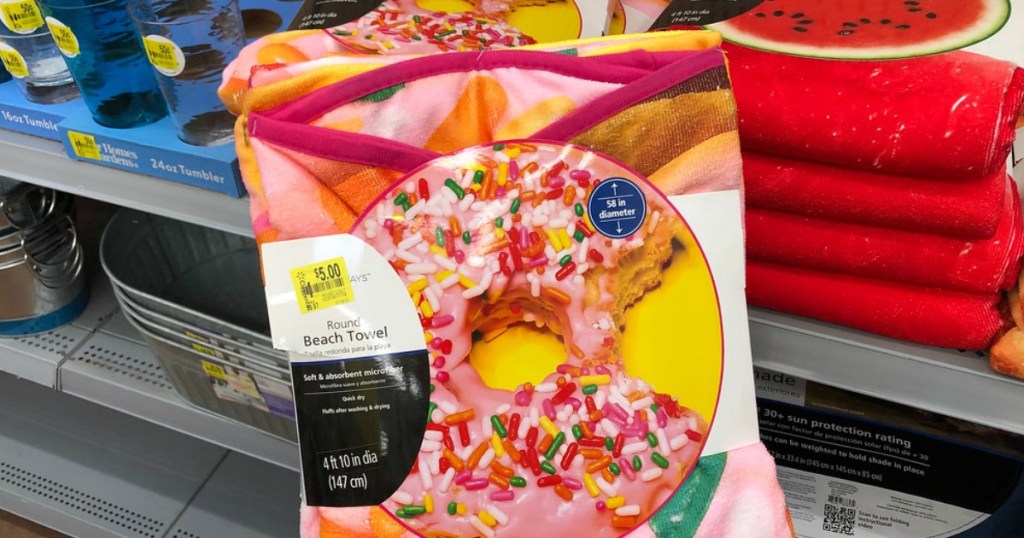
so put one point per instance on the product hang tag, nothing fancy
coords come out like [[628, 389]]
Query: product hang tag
[[701, 12], [358, 362], [321, 14]]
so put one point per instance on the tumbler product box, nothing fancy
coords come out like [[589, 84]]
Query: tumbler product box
[[19, 114], [152, 150], [853, 465]]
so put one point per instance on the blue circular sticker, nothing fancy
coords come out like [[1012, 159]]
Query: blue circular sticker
[[617, 207]]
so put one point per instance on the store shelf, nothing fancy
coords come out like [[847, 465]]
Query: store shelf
[[101, 358], [92, 472], [953, 383], [37, 357], [231, 505], [43, 162], [89, 472], [121, 373]]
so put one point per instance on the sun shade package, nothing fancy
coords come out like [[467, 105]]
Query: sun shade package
[[854, 465], [490, 268]]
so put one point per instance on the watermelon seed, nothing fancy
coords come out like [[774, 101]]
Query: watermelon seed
[[910, 3], [845, 32], [760, 15], [805, 21], [914, 10], [865, 21], [796, 15], [930, 15], [903, 27], [850, 24], [799, 29], [779, 13], [885, 21]]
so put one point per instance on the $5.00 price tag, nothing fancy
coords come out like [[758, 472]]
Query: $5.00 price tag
[[322, 285], [21, 16]]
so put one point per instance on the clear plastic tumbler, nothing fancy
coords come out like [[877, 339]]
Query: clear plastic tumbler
[[28, 53], [189, 43]]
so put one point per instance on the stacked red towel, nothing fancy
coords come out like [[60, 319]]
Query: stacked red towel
[[969, 209], [945, 116], [927, 315], [877, 191], [978, 265]]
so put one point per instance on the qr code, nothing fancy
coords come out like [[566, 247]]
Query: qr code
[[839, 520]]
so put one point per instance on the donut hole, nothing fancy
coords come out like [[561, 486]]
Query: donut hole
[[677, 325], [520, 354], [447, 6], [529, 345]]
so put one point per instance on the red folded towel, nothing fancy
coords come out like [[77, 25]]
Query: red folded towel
[[981, 266], [922, 315], [948, 115], [969, 209]]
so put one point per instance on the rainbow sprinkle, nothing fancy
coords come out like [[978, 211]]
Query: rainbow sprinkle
[[589, 430]]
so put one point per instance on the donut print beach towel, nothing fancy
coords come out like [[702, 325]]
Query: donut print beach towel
[[321, 142]]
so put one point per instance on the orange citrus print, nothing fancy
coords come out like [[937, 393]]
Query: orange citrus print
[[474, 118], [541, 115]]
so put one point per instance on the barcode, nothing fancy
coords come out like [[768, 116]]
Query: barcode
[[313, 288], [839, 520], [835, 499]]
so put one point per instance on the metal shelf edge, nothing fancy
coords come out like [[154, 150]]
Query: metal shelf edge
[[230, 505], [43, 162], [957, 384], [140, 389], [91, 472]]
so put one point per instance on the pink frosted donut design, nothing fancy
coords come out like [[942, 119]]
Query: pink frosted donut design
[[497, 235], [401, 27]]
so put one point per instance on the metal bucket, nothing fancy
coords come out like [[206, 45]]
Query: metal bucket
[[203, 277], [10, 240], [36, 303], [42, 285], [25, 206], [188, 335], [196, 295], [195, 376]]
